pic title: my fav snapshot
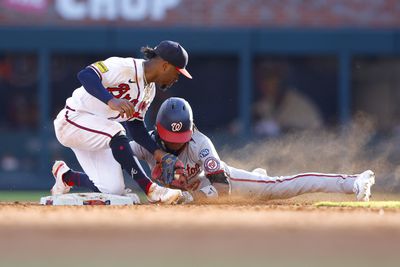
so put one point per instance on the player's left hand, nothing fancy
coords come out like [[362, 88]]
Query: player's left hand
[[170, 171]]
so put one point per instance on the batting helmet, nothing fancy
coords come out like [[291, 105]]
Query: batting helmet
[[174, 121]]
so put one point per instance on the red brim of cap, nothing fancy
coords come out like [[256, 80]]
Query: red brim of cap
[[185, 72], [165, 135]]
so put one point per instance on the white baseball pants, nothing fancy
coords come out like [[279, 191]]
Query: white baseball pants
[[89, 137]]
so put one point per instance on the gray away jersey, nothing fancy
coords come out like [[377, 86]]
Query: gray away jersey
[[199, 158]]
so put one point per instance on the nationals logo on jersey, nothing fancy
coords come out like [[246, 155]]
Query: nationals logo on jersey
[[211, 164], [176, 126]]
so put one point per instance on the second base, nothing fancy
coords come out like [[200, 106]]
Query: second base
[[80, 199]]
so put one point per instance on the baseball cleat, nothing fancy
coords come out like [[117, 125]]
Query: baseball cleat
[[159, 194], [362, 185], [58, 170], [260, 171]]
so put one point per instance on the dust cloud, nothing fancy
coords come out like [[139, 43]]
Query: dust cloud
[[350, 150]]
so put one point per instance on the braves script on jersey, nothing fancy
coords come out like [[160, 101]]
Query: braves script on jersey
[[86, 124], [123, 78]]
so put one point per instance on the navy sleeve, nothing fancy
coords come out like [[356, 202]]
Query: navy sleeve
[[139, 133], [93, 85]]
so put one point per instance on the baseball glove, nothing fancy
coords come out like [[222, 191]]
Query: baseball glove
[[170, 172]]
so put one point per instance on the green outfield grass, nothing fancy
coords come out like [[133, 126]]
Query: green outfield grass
[[371, 204], [31, 196]]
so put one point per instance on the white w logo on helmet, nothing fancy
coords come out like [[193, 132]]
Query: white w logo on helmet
[[176, 126]]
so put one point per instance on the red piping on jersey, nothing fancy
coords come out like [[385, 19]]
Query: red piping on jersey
[[85, 128], [137, 81], [70, 108], [289, 179], [98, 73]]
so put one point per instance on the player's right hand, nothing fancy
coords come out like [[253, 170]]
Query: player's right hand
[[123, 106]]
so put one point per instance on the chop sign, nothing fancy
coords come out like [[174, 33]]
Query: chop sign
[[131, 10]]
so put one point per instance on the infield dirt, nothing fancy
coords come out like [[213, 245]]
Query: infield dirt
[[274, 233]]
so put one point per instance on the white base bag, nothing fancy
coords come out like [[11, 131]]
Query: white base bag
[[83, 199]]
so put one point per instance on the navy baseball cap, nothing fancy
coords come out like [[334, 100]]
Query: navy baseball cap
[[175, 54]]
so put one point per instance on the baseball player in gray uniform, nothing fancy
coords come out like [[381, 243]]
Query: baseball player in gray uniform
[[118, 90], [207, 175], [176, 133]]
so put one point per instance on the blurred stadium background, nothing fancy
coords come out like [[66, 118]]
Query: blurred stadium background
[[261, 68]]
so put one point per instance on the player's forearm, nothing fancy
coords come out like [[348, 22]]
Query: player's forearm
[[141, 136], [93, 85], [158, 154], [218, 177]]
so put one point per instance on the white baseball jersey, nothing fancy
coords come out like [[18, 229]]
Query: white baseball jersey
[[124, 79], [86, 124], [200, 157]]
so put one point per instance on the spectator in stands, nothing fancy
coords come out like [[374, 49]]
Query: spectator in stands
[[279, 107]]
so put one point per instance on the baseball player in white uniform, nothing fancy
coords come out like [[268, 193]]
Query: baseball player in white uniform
[[118, 90], [205, 172]]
